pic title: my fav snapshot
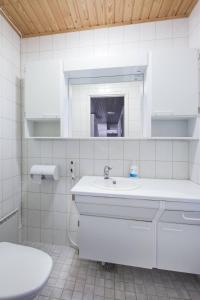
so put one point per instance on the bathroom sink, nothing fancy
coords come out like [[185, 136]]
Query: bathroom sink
[[116, 184]]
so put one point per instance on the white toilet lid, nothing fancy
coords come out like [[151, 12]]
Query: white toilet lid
[[23, 270]]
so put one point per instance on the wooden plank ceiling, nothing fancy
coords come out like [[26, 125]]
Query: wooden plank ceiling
[[41, 17]]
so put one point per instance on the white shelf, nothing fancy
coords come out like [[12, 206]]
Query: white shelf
[[112, 138], [40, 128], [175, 129]]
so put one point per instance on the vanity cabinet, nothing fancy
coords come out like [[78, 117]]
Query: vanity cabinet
[[178, 247], [156, 225], [127, 242], [174, 82]]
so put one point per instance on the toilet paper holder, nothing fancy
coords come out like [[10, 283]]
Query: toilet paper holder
[[42, 172]]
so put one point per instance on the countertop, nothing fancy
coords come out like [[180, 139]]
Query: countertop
[[148, 189]]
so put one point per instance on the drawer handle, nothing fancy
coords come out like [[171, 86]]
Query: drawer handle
[[168, 113], [140, 227], [50, 116], [190, 219], [172, 229]]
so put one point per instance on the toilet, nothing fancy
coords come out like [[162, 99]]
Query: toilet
[[23, 271]]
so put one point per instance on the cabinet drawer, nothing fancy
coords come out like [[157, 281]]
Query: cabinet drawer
[[118, 212], [181, 217], [117, 208]]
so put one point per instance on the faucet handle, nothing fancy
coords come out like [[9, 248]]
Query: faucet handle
[[107, 167]]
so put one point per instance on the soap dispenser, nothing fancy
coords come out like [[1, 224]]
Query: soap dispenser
[[133, 171]]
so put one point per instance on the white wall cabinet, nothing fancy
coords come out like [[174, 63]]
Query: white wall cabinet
[[178, 247], [45, 101], [43, 89], [113, 240], [174, 82]]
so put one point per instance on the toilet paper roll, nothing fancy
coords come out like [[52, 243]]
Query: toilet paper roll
[[37, 178]]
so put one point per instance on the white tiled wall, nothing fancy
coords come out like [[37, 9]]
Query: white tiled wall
[[194, 27], [107, 41], [10, 119], [46, 206], [194, 161], [80, 103], [194, 42]]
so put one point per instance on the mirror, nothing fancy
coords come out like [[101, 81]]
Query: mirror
[[106, 106]]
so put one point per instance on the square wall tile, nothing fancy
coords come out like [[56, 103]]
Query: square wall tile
[[117, 166], [131, 150], [34, 148], [61, 163], [46, 201], [46, 149], [34, 201], [163, 170], [34, 218], [46, 43], [47, 219], [86, 149], [180, 27], [180, 170], [101, 149], [72, 149], [86, 167], [148, 31], [101, 36], [60, 220], [60, 203], [164, 29], [59, 149], [180, 151], [115, 34], [47, 236], [33, 234], [116, 150], [59, 41], [86, 38], [59, 237], [147, 169], [147, 150], [164, 150], [132, 33], [99, 165]]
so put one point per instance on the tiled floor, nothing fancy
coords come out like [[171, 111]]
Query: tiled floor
[[77, 279]]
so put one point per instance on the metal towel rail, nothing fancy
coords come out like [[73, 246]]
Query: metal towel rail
[[8, 216]]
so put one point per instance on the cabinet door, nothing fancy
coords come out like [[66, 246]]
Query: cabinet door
[[174, 82], [117, 241], [43, 89], [178, 247]]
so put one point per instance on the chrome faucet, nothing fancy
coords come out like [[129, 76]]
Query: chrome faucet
[[107, 171]]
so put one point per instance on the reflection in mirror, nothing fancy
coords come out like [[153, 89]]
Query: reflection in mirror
[[106, 106], [107, 116]]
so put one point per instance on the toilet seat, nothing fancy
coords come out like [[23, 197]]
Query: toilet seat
[[23, 271]]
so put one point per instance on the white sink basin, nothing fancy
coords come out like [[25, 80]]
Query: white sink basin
[[116, 184]]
